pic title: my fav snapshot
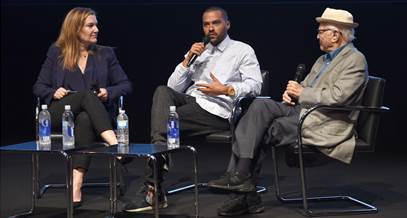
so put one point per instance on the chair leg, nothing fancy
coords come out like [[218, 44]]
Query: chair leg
[[176, 190], [259, 189], [365, 208]]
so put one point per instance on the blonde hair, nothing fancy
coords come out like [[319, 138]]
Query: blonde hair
[[68, 40]]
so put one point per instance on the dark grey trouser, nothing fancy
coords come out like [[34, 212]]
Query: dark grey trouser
[[91, 119], [193, 121], [267, 122]]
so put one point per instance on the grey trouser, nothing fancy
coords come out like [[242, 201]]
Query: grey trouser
[[267, 122]]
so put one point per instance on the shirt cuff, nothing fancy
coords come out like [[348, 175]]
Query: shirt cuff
[[181, 68]]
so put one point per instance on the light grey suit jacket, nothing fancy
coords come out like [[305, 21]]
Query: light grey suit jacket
[[343, 83]]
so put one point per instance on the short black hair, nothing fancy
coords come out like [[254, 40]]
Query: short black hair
[[216, 8]]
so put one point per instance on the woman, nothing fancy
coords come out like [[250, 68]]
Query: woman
[[87, 76]]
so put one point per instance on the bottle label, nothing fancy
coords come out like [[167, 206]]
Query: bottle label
[[69, 131], [68, 128], [44, 129], [173, 124], [173, 131], [121, 124]]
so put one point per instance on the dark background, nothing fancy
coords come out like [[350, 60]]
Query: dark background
[[151, 38]]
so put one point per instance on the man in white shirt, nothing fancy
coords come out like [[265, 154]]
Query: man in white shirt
[[203, 92]]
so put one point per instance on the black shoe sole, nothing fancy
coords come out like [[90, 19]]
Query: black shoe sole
[[236, 213], [253, 210], [257, 209]]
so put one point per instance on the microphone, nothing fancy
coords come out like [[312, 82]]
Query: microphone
[[205, 41], [298, 75], [300, 71]]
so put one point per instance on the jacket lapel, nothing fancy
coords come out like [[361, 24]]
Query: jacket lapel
[[335, 61]]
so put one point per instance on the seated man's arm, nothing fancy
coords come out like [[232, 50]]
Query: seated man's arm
[[179, 79], [350, 80], [251, 81]]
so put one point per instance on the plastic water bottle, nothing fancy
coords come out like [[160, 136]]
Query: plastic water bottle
[[173, 129], [68, 137], [122, 128], [44, 127]]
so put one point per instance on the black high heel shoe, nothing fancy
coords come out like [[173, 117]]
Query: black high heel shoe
[[76, 204]]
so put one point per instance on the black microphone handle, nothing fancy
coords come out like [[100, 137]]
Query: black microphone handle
[[300, 71], [205, 41], [192, 60]]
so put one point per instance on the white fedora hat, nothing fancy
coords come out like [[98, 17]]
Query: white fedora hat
[[338, 16]]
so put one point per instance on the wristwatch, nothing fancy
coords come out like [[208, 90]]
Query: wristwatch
[[230, 91]]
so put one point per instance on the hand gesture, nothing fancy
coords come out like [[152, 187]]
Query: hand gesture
[[213, 88]]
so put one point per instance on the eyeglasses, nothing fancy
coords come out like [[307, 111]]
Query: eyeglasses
[[321, 31]]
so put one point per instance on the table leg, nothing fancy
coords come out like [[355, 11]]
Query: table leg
[[113, 186], [69, 190], [195, 172], [34, 165], [156, 204], [36, 176], [34, 186]]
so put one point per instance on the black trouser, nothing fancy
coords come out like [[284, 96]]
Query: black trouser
[[193, 121], [267, 122], [91, 119]]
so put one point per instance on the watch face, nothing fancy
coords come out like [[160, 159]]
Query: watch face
[[231, 91]]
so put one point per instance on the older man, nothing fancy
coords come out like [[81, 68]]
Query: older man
[[337, 78]]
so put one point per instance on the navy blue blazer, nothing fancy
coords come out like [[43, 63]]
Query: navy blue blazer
[[109, 74]]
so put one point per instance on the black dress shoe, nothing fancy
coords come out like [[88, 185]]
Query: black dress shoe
[[254, 203], [234, 182], [224, 179], [239, 204], [76, 204], [235, 206]]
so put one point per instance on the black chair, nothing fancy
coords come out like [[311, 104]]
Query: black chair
[[226, 137], [57, 136], [366, 128]]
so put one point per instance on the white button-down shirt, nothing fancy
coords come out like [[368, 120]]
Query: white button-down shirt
[[233, 63]]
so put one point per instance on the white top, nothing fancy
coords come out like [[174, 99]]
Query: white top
[[172, 108], [67, 107], [233, 63], [44, 107]]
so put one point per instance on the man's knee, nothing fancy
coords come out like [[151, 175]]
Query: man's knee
[[259, 104], [162, 91]]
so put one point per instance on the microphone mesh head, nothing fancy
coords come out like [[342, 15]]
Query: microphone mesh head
[[301, 67]]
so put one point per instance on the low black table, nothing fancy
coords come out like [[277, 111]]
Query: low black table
[[32, 148], [139, 150]]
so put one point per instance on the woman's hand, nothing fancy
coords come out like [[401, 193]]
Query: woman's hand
[[60, 93], [103, 95]]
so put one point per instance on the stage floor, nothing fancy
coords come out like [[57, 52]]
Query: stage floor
[[378, 178]]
